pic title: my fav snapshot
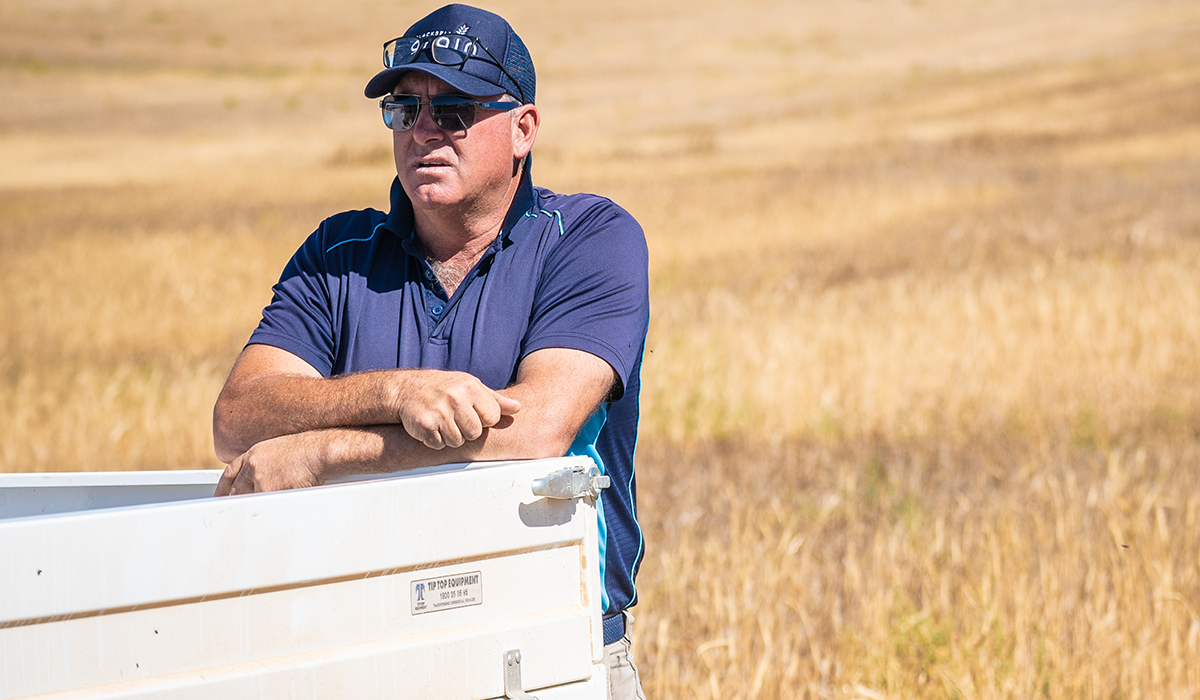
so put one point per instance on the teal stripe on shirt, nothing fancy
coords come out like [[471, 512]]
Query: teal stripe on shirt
[[585, 445]]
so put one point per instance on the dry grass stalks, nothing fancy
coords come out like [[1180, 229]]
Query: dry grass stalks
[[869, 571], [1078, 348], [922, 396]]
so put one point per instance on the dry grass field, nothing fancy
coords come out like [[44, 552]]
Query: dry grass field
[[922, 397]]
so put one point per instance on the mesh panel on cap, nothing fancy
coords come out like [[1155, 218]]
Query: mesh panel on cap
[[520, 64]]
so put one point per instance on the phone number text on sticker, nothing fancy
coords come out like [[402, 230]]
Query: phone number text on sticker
[[446, 592]]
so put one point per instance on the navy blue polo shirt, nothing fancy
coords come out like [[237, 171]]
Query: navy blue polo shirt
[[566, 271]]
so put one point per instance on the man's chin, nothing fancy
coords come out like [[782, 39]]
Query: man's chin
[[432, 194]]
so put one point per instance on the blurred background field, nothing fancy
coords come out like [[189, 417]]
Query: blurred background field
[[922, 396]]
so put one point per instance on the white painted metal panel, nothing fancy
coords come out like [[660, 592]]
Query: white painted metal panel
[[306, 593]]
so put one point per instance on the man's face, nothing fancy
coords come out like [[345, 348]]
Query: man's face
[[450, 168]]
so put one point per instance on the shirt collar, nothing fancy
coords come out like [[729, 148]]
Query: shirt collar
[[400, 218]]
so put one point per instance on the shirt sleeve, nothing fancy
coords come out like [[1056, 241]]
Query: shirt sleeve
[[299, 318], [593, 294]]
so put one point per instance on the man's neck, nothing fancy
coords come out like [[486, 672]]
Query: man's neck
[[454, 239]]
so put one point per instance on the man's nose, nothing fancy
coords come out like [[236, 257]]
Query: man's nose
[[425, 130]]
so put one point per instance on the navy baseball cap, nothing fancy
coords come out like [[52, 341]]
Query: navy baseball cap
[[457, 44]]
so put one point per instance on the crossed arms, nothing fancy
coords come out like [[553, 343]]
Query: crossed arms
[[280, 424]]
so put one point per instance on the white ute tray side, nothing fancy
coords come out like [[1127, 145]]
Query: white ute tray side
[[410, 585]]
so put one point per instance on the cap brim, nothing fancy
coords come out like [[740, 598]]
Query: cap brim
[[386, 79]]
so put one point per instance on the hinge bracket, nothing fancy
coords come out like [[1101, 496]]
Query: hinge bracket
[[512, 677], [571, 483]]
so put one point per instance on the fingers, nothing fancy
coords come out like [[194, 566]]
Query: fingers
[[445, 436], [487, 411], [496, 411], [238, 478], [508, 406], [225, 485], [471, 422], [450, 409], [285, 462], [431, 429], [245, 481]]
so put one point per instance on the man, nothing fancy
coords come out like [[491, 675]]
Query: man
[[480, 319]]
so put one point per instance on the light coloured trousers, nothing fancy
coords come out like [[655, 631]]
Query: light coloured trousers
[[623, 681]]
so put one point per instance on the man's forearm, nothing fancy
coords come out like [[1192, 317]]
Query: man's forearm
[[314, 457], [268, 406], [534, 432], [388, 448]]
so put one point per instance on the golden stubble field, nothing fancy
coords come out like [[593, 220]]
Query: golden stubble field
[[922, 402]]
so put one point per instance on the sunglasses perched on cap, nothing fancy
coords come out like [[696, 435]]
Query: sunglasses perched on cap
[[449, 112], [453, 50]]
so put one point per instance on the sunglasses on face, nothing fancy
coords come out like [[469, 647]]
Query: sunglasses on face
[[452, 50], [449, 112]]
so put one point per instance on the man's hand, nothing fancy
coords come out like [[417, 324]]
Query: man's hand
[[287, 462], [446, 409]]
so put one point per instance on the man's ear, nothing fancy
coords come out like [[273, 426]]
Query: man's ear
[[525, 128]]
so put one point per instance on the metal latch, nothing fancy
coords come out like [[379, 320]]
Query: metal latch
[[512, 677], [572, 483]]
